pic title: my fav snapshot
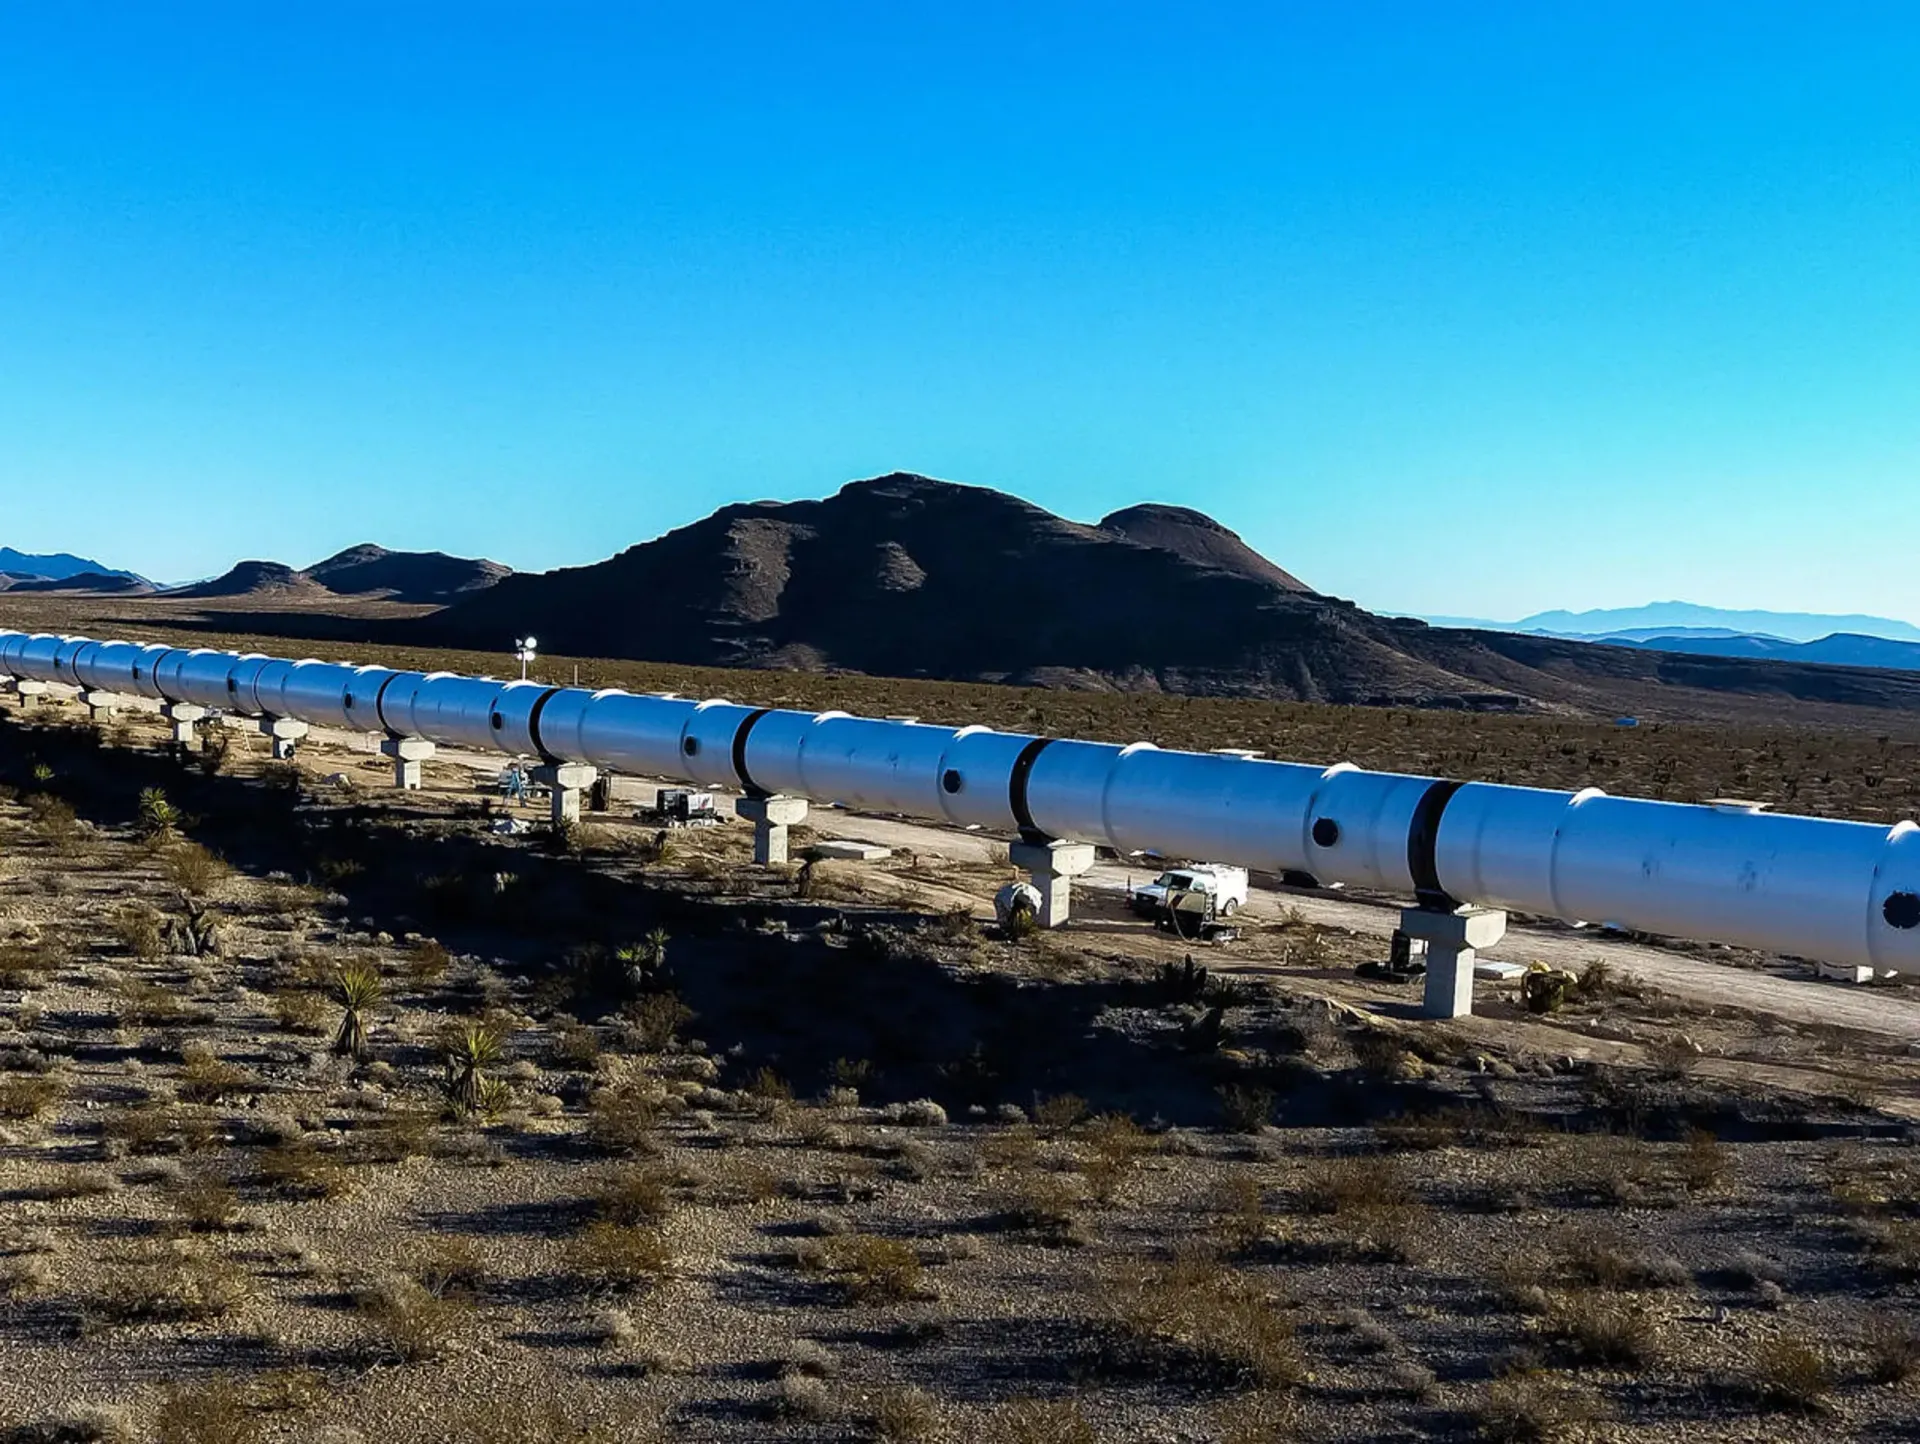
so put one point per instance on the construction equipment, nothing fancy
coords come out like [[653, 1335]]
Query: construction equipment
[[682, 807]]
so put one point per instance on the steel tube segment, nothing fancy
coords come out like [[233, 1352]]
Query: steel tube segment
[[1843, 892]]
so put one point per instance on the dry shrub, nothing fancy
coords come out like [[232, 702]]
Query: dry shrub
[[194, 870], [1040, 1421], [1114, 1146], [634, 1196], [30, 1097], [206, 1204], [876, 1270], [300, 1010], [205, 1078], [304, 1169], [1703, 1162], [1016, 1147], [25, 965], [1221, 1321], [1058, 1113], [576, 1046], [1792, 1374], [623, 1117], [402, 1134], [1892, 1346], [1597, 1330], [216, 1412], [1240, 1213], [411, 1321], [1528, 1409], [1355, 1186], [148, 1128], [620, 1256], [1602, 1259], [905, 1416], [141, 931], [452, 1268], [426, 961], [1262, 1417], [1046, 1204], [652, 1022], [170, 1282]]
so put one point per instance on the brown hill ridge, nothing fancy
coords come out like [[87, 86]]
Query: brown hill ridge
[[365, 571]]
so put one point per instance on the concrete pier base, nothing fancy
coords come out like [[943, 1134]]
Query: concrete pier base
[[182, 716], [771, 817], [566, 781], [1051, 867], [1451, 940], [284, 733], [102, 706], [32, 693], [407, 754]]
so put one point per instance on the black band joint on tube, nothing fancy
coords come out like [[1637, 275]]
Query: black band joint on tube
[[1017, 789], [533, 723], [380, 701], [752, 788], [1423, 840]]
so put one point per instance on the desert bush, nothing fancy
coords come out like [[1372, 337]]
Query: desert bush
[[575, 1046], [623, 1117], [1245, 1109], [451, 1268], [1057, 1114], [207, 1078], [1596, 1330], [619, 1256], [30, 1096], [427, 961], [1703, 1161], [299, 1010], [1892, 1347], [468, 1050], [1240, 1213], [634, 1196], [653, 1020], [156, 819], [25, 965], [1223, 1322], [140, 931], [193, 869], [216, 1412], [206, 1203], [1603, 1259], [1791, 1374], [1113, 1148], [1528, 1409], [875, 1270], [1045, 1204], [168, 1283], [413, 1323], [768, 1088], [1040, 1421], [905, 1416], [1362, 1185], [303, 1169]]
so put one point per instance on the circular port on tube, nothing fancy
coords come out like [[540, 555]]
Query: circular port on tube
[[1326, 832], [950, 780], [691, 746], [1901, 910]]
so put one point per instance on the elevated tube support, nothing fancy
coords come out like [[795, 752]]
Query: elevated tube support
[[32, 691], [566, 781], [102, 706], [1051, 867], [182, 716], [771, 817], [1452, 939], [407, 754], [284, 734]]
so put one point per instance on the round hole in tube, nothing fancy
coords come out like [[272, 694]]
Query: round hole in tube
[[498, 721], [950, 780], [691, 746], [347, 701], [1901, 910], [1326, 832]]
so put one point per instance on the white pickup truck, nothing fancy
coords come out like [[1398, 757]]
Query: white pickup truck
[[1227, 886]]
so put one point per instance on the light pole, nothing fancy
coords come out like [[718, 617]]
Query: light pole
[[524, 654]]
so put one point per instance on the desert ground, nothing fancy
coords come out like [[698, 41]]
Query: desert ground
[[332, 1114]]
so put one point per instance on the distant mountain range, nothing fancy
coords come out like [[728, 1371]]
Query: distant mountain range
[[30, 568], [1667, 619]]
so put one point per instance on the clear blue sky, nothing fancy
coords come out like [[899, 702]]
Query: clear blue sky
[[1465, 308]]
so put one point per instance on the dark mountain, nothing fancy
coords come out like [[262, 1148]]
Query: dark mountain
[[1842, 649], [55, 566], [906, 576], [404, 576], [248, 578], [117, 584], [1198, 538]]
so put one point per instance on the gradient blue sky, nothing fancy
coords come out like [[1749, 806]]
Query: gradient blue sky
[[1465, 308]]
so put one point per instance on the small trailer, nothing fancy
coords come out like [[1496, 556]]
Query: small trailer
[[682, 807]]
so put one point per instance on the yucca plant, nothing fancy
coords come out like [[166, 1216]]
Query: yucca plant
[[471, 1049], [357, 990], [159, 819]]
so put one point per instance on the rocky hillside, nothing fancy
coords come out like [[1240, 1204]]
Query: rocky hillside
[[360, 572], [906, 576]]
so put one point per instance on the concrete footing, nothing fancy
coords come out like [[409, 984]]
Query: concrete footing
[[284, 733], [102, 706], [771, 817], [1451, 939], [32, 693], [566, 781], [407, 754], [1051, 868], [182, 716]]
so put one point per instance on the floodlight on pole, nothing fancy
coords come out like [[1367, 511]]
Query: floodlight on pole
[[523, 653]]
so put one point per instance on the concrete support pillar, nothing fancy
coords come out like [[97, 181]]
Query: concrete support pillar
[[566, 781], [407, 754], [1451, 940], [771, 817], [32, 692], [284, 733], [183, 715], [1051, 868], [101, 706]]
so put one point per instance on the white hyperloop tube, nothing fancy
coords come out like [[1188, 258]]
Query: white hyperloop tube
[[1844, 892]]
